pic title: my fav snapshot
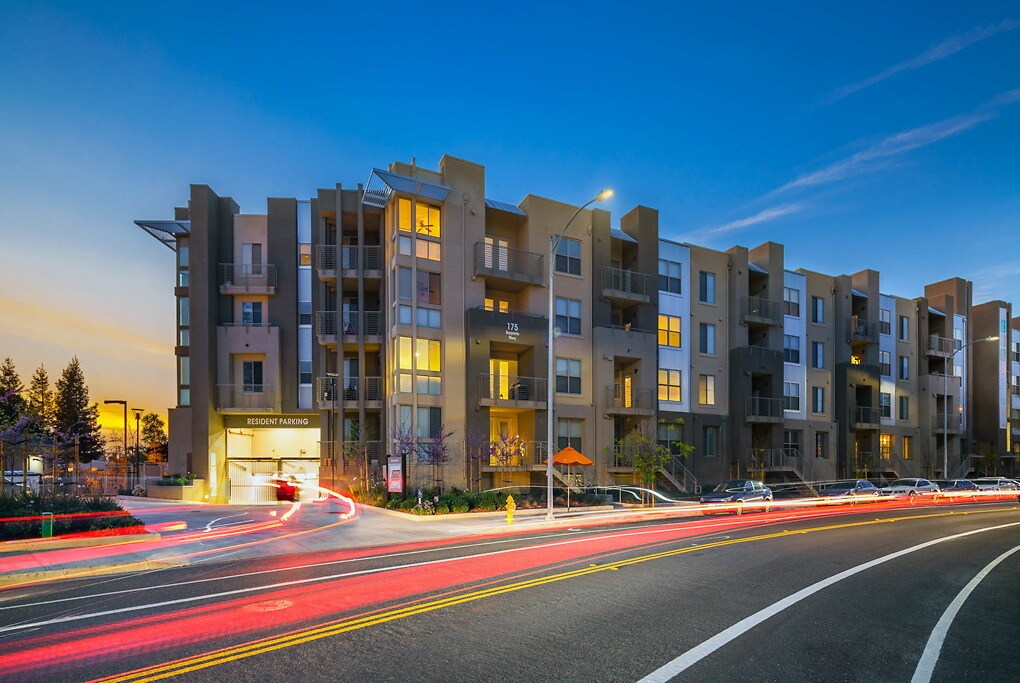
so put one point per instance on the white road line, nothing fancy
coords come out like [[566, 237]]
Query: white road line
[[208, 527], [933, 648], [672, 669]]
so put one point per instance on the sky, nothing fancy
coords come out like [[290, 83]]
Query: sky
[[860, 135]]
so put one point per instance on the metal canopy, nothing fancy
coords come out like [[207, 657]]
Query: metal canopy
[[166, 231], [621, 235], [757, 269], [381, 184], [859, 293], [935, 311], [503, 206]]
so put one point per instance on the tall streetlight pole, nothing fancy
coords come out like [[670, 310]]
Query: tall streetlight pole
[[332, 431], [123, 403], [138, 443], [945, 403], [554, 243]]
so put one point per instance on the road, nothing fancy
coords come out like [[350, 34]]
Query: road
[[836, 594]]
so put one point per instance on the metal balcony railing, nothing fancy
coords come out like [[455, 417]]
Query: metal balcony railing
[[353, 257], [865, 415], [325, 323], [515, 453], [245, 398], [337, 389], [620, 397], [508, 315], [506, 262], [247, 275], [948, 423], [760, 406], [622, 455], [863, 330], [763, 309], [350, 324], [512, 390], [325, 256], [372, 322], [941, 346], [627, 281]]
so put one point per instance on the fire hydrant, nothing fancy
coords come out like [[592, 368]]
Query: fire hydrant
[[510, 507]]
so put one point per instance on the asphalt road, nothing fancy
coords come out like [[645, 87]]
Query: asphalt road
[[837, 594]]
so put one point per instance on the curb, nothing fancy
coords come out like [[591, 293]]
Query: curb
[[35, 544], [16, 579], [478, 515]]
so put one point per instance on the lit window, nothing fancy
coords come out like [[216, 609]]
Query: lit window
[[669, 330], [669, 385], [427, 218], [428, 250], [885, 445], [403, 355], [706, 390], [501, 305]]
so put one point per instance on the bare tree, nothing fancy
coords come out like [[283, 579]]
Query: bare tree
[[476, 448], [435, 451], [506, 452]]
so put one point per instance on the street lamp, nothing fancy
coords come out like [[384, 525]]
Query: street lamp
[[945, 403], [123, 403], [331, 432], [554, 243], [138, 444]]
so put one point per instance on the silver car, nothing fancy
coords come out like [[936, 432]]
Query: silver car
[[911, 487], [995, 484]]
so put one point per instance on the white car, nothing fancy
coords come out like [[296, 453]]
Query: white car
[[911, 487], [995, 484]]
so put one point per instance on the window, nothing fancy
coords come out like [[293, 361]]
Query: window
[[304, 316], [707, 338], [427, 289], [184, 337], [791, 348], [251, 313], [427, 218], [304, 254], [817, 310], [568, 433], [568, 316], [430, 422], [791, 301], [885, 360], [184, 397], [706, 390], [568, 256], [908, 447], [183, 312], [885, 445], [427, 354], [885, 321], [1014, 350], [496, 253], [706, 287], [404, 284], [430, 317], [904, 368], [885, 404], [182, 254], [425, 249], [791, 442], [904, 407], [427, 384], [669, 330], [251, 372], [817, 355], [403, 356], [904, 328], [184, 371], [305, 372], [817, 400], [568, 376], [182, 278], [404, 314], [821, 444], [251, 259], [669, 276], [669, 385], [494, 304], [791, 396], [710, 441], [669, 436]]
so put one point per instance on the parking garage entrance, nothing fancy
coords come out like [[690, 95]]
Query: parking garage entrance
[[264, 449]]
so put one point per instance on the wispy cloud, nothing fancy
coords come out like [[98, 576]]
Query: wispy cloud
[[763, 216], [936, 52], [994, 281]]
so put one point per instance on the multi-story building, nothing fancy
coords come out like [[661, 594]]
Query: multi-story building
[[409, 316]]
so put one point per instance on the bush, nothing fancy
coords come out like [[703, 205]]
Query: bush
[[176, 480], [459, 505], [30, 505]]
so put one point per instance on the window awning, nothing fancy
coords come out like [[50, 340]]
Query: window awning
[[757, 269], [935, 311], [166, 231], [621, 235], [859, 293], [503, 206], [382, 183]]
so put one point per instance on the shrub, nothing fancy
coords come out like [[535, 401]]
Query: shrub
[[30, 505], [459, 505]]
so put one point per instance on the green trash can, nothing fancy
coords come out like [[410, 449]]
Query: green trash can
[[47, 525]]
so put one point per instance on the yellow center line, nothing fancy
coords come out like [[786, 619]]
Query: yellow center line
[[230, 654]]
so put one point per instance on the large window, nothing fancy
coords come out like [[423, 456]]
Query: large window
[[706, 390], [904, 407], [184, 371], [669, 276], [568, 433], [251, 313], [821, 444], [183, 312], [706, 338], [670, 436], [423, 354], [425, 317], [885, 404], [568, 256], [305, 372], [706, 287], [493, 303], [710, 441], [885, 444], [427, 289], [430, 422], [885, 321], [904, 367], [251, 371], [885, 361], [904, 332], [427, 218], [568, 316], [251, 259], [568, 376], [669, 385], [791, 348], [669, 330], [817, 310], [908, 447], [791, 396], [818, 400], [404, 284], [791, 442], [791, 301], [817, 355], [426, 249]]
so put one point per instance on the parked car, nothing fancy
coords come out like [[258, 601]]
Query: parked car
[[995, 484], [851, 489], [911, 487], [738, 493], [956, 486]]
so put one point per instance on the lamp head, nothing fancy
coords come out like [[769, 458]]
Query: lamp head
[[605, 194]]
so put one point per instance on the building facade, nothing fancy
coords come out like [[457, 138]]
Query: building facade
[[408, 316]]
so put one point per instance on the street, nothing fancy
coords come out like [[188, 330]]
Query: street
[[840, 594]]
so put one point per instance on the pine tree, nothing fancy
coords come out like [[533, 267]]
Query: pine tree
[[12, 405], [39, 403], [154, 437], [73, 416]]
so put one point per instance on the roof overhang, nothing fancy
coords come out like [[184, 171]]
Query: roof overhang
[[504, 207], [621, 235], [166, 232], [382, 184]]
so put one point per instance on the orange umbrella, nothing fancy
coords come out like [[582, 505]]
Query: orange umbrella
[[570, 456]]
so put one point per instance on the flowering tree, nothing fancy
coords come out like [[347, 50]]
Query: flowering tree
[[435, 451], [506, 452]]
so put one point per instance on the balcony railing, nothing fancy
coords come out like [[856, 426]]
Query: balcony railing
[[941, 346], [509, 264], [511, 454], [622, 455], [863, 330], [627, 328], [948, 423], [245, 398], [763, 408], [325, 257], [336, 390], [351, 324], [257, 277], [508, 315], [631, 284], [620, 398], [325, 323], [368, 257], [505, 390], [865, 416], [765, 310]]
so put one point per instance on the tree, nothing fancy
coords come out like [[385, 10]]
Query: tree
[[357, 447], [649, 456], [73, 416], [39, 402], [506, 452], [12, 405], [435, 451], [154, 437]]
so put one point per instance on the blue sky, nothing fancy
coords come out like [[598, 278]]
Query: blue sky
[[857, 134]]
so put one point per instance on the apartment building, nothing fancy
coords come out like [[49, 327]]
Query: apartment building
[[408, 317]]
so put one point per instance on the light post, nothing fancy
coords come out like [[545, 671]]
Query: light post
[[331, 432], [123, 403], [138, 444], [945, 402], [554, 243]]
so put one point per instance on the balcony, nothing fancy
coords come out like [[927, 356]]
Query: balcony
[[947, 424], [514, 456], [622, 400], [508, 270], [865, 417], [247, 278], [245, 398], [352, 325], [626, 287], [524, 393], [863, 330], [326, 328], [941, 347], [367, 258], [940, 384], [532, 321], [325, 262], [350, 392], [759, 409], [754, 309], [621, 456]]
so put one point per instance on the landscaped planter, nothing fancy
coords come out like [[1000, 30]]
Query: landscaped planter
[[194, 493]]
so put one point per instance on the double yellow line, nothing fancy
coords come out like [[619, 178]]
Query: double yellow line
[[231, 654]]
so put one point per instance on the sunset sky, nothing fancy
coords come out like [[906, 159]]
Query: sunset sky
[[820, 126]]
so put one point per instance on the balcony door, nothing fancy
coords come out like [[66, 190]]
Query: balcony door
[[497, 253], [625, 390], [503, 435], [502, 374]]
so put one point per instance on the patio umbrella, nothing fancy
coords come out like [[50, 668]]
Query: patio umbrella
[[569, 456]]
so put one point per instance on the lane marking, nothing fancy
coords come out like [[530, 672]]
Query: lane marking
[[672, 669], [233, 653], [933, 648], [208, 527]]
